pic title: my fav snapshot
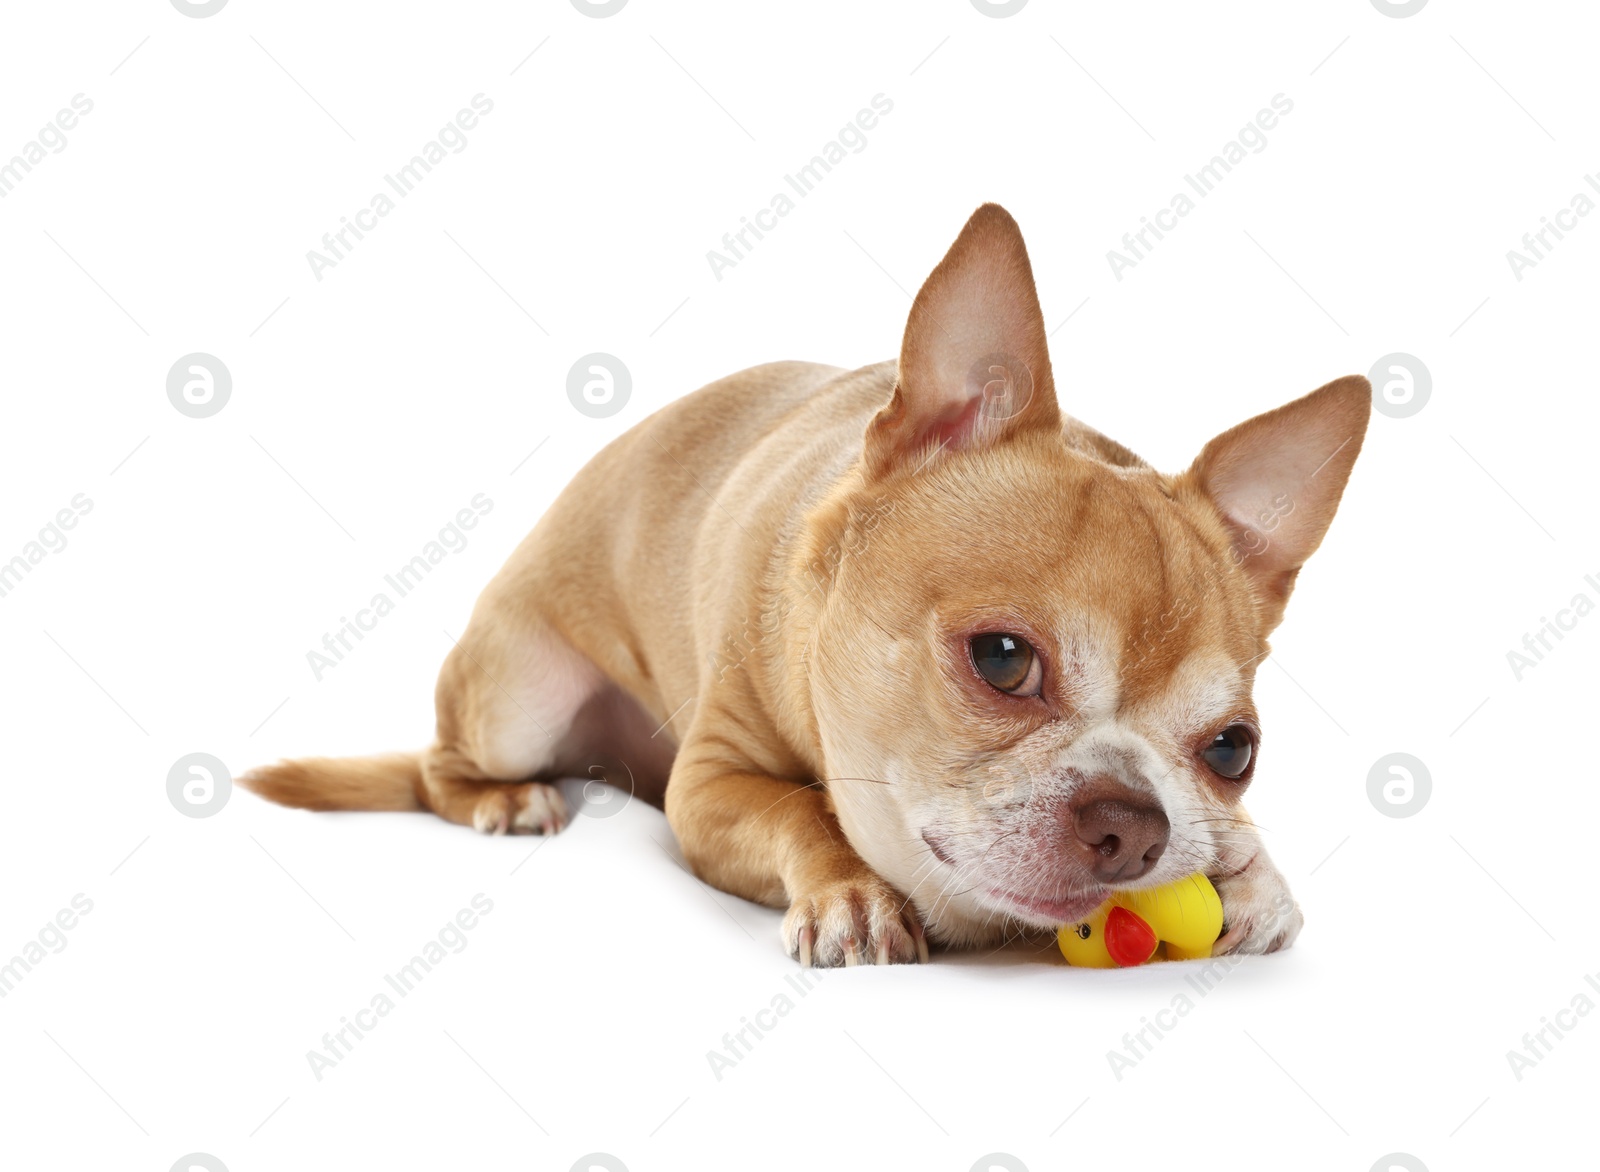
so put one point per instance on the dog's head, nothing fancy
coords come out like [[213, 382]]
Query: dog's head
[[1032, 667]]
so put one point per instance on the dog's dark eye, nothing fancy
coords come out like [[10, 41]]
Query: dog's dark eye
[[1229, 755], [1008, 662]]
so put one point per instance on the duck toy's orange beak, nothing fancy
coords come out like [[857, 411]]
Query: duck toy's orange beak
[[1129, 940]]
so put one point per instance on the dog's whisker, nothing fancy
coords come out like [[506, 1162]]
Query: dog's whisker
[[798, 789]]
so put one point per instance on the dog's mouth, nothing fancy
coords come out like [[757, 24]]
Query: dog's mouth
[[1050, 909], [1034, 906]]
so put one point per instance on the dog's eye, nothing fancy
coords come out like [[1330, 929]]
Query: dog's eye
[[1229, 755], [1008, 662]]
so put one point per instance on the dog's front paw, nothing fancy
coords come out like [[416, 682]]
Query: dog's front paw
[[846, 921], [1258, 913]]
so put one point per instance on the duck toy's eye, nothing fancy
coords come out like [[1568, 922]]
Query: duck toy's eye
[[1084, 931]]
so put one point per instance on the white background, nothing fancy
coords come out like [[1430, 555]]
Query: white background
[[369, 406]]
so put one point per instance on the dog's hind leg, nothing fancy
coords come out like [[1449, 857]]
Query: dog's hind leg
[[508, 693], [509, 701]]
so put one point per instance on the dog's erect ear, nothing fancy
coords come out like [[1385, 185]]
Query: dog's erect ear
[[1277, 480], [974, 367]]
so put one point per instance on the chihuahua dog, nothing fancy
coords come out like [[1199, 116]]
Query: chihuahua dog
[[903, 650]]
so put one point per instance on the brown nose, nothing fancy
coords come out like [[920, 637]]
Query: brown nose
[[1119, 834]]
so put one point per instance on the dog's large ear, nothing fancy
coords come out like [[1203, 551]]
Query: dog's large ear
[[974, 367], [1277, 480]]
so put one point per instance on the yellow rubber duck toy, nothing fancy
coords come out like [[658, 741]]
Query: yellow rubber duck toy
[[1181, 921]]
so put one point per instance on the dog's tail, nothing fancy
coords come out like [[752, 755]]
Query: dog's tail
[[388, 781]]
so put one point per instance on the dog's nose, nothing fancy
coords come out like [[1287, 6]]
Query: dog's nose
[[1119, 834]]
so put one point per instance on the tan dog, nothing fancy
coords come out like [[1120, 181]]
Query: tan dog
[[922, 650]]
